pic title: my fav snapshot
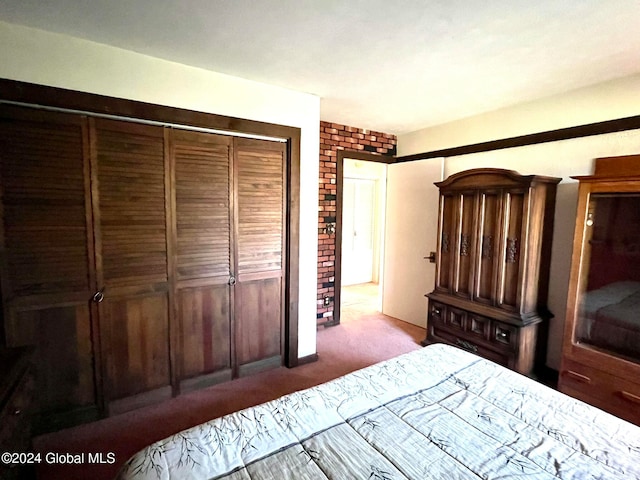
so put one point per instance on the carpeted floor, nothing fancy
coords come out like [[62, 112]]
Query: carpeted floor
[[365, 296], [364, 337]]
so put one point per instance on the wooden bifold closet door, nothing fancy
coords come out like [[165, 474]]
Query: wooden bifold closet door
[[202, 165], [48, 273], [130, 198], [260, 223], [142, 261]]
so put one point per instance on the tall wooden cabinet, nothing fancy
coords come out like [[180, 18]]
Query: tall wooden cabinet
[[492, 269], [140, 260], [601, 347]]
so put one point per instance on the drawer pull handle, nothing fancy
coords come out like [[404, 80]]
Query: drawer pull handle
[[17, 411], [503, 336], [578, 376], [630, 396], [467, 346]]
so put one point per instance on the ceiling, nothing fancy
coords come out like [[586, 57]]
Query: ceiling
[[389, 66]]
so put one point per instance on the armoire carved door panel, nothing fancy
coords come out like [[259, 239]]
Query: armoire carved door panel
[[486, 257], [202, 187], [259, 176], [446, 249], [465, 238], [510, 278], [130, 210], [47, 275]]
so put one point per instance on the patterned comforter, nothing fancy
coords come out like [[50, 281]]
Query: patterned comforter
[[435, 413]]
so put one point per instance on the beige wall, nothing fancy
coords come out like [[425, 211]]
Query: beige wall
[[410, 234], [378, 172], [45, 58], [606, 101], [559, 159]]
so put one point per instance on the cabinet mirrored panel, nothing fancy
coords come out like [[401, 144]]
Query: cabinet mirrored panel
[[601, 346], [608, 316]]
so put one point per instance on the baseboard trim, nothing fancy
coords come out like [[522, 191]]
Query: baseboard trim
[[205, 380], [133, 402], [308, 359], [259, 366], [548, 376]]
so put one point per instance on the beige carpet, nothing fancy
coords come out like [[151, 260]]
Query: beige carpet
[[364, 295], [364, 337]]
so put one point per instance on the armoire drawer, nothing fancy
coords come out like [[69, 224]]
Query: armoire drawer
[[468, 344], [479, 326], [456, 319], [603, 390], [475, 328], [504, 335], [437, 312]]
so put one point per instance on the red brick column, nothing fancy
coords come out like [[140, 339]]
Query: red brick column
[[334, 137]]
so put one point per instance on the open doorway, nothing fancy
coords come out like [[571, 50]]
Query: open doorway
[[409, 230], [360, 235], [363, 210]]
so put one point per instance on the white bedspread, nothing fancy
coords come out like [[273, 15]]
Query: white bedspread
[[435, 413]]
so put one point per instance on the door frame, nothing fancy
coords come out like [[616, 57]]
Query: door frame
[[41, 96], [340, 157]]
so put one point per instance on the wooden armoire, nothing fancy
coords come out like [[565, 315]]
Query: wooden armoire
[[140, 260], [601, 347], [492, 267]]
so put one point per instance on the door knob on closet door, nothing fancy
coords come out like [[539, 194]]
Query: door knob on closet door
[[232, 280], [98, 297]]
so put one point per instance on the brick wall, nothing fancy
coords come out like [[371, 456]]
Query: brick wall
[[334, 137]]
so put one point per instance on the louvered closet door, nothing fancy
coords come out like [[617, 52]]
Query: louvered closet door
[[130, 201], [47, 280], [260, 216], [201, 164]]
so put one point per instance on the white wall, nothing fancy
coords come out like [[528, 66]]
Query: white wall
[[410, 234], [559, 159], [606, 101], [45, 58], [377, 172]]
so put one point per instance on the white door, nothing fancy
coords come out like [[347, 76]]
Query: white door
[[410, 234], [358, 230]]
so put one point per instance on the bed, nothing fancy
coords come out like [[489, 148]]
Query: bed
[[435, 413]]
